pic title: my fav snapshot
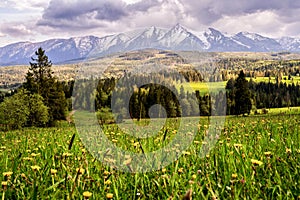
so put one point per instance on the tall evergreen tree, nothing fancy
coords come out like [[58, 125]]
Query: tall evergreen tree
[[40, 80], [242, 95]]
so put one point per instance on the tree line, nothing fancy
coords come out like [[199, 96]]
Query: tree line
[[43, 100]]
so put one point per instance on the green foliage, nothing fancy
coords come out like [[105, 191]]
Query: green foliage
[[14, 111], [39, 80], [105, 116], [38, 115], [242, 95], [23, 109]]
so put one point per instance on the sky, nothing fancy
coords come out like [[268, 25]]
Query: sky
[[36, 20]]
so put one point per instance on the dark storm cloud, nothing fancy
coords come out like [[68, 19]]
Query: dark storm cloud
[[208, 11], [115, 15], [90, 13]]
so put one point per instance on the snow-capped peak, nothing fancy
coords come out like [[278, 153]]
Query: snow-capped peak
[[177, 38]]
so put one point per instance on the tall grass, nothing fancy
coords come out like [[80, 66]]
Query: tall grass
[[255, 158]]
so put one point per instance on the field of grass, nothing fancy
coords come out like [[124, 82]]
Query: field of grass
[[215, 87], [286, 110], [256, 157], [203, 87], [295, 79]]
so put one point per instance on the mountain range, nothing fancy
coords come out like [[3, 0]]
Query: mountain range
[[178, 38]]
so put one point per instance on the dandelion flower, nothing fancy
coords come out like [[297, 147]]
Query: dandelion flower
[[256, 162], [4, 184], [186, 153], [238, 145], [114, 140], [287, 150], [180, 170], [87, 194], [67, 154], [268, 153], [109, 195], [35, 168], [80, 170], [108, 182], [53, 171], [194, 176], [164, 170], [233, 176], [106, 173], [7, 174]]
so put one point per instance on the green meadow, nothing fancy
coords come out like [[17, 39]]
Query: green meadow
[[255, 157]]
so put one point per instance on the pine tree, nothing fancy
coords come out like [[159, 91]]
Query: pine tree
[[40, 80], [242, 95]]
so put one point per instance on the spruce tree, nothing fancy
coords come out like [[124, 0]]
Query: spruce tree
[[242, 95], [40, 80]]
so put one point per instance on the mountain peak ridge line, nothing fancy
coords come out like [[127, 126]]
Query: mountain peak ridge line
[[177, 38]]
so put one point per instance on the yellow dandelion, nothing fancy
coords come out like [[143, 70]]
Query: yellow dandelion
[[136, 144], [53, 171], [109, 195], [180, 170], [256, 162], [67, 154], [7, 174], [194, 176], [87, 194], [233, 176], [164, 170], [35, 154], [35, 168], [108, 182], [238, 145], [114, 140], [4, 184], [196, 142], [268, 153], [106, 173], [287, 150], [27, 158], [80, 170]]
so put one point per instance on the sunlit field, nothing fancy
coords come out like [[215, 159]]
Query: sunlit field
[[256, 157]]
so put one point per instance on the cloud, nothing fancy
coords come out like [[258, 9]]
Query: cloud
[[24, 5], [64, 18], [91, 14], [15, 30]]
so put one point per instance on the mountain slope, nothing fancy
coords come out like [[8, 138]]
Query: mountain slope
[[177, 38]]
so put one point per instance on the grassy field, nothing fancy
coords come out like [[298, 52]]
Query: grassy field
[[209, 87], [214, 87], [295, 79], [256, 157]]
